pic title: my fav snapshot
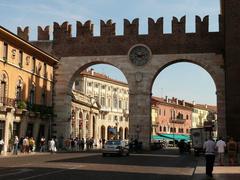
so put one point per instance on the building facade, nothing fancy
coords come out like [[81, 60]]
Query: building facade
[[110, 98], [173, 116], [203, 113], [26, 88]]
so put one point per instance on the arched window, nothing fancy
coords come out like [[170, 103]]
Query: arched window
[[160, 128], [164, 129]]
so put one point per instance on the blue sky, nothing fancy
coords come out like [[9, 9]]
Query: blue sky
[[44, 12]]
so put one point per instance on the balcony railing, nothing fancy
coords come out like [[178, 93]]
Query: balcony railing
[[39, 108], [177, 120], [5, 101]]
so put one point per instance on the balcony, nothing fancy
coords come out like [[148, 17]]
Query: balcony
[[6, 104], [42, 109], [5, 101], [177, 120]]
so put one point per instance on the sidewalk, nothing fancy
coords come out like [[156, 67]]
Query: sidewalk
[[10, 154], [225, 172]]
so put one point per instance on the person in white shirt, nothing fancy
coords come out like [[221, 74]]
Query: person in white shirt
[[221, 145], [52, 146], [1, 145], [209, 147]]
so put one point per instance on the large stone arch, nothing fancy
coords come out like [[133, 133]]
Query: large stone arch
[[213, 64], [140, 80]]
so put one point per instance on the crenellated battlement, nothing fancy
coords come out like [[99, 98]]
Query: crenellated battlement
[[155, 28], [84, 30], [62, 32], [23, 33], [178, 26], [131, 29], [108, 43], [108, 28], [43, 34]]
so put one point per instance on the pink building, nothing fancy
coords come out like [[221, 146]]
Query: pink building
[[173, 117]]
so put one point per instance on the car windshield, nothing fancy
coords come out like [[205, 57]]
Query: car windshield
[[113, 143]]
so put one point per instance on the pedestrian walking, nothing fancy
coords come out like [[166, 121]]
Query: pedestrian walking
[[1, 146], [220, 146], [82, 144], [42, 144], [52, 146], [26, 145], [15, 145], [232, 151], [209, 147]]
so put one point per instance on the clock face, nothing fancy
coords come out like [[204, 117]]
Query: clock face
[[139, 55]]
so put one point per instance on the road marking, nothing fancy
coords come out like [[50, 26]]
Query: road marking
[[39, 175], [20, 171]]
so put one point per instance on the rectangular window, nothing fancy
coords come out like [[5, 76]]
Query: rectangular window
[[33, 64], [5, 51], [103, 101], [45, 70], [16, 128], [20, 58], [29, 131], [120, 104], [44, 98], [2, 128]]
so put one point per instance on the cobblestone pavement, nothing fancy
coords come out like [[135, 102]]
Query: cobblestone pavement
[[163, 164]]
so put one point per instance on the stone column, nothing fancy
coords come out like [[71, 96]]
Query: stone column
[[36, 126], [140, 118], [77, 123], [221, 124], [8, 134], [84, 129]]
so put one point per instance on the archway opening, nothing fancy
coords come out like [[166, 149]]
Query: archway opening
[[183, 98], [101, 92]]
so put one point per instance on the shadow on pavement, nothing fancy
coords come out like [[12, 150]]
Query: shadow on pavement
[[72, 174], [135, 159]]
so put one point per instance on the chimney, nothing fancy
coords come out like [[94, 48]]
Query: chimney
[[92, 71], [193, 102], [183, 102], [166, 98]]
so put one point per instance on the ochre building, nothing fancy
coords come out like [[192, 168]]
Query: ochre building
[[26, 89]]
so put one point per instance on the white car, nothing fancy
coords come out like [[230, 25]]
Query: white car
[[118, 147]]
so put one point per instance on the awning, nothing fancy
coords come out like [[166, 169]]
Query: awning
[[177, 137]]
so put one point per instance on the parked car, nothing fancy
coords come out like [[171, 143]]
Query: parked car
[[118, 147]]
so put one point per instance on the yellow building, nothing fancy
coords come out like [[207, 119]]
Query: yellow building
[[26, 86]]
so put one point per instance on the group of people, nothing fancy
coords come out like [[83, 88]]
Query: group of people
[[28, 145], [210, 147], [80, 144]]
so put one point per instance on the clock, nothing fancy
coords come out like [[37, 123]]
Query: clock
[[139, 54]]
